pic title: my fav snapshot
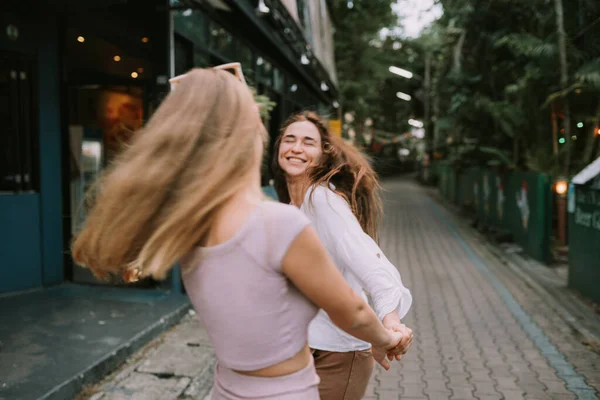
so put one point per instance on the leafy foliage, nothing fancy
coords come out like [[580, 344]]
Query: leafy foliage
[[496, 78]]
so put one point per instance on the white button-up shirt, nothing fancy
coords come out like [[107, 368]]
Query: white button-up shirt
[[361, 262]]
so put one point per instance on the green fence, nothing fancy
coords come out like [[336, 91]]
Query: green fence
[[516, 202], [584, 242]]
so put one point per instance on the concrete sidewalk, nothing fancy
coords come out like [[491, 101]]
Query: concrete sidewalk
[[480, 331], [54, 341]]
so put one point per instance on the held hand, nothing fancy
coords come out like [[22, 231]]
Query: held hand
[[380, 352], [405, 342]]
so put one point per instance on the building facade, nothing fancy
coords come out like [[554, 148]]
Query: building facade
[[80, 79]]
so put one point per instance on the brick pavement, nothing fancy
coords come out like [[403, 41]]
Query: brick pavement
[[476, 327], [480, 332]]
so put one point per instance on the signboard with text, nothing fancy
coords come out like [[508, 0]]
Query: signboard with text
[[584, 237]]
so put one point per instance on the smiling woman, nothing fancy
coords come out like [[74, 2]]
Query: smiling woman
[[334, 185], [300, 148]]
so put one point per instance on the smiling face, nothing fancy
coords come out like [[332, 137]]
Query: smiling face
[[300, 148]]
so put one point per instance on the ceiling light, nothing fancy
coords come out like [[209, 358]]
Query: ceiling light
[[117, 58], [80, 39], [134, 74]]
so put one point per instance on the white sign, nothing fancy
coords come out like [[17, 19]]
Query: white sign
[[523, 204], [587, 219]]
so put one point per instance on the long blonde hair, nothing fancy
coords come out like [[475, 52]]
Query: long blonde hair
[[158, 200]]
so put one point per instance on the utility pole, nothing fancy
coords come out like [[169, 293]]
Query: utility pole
[[564, 80], [427, 101]]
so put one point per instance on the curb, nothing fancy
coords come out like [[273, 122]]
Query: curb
[[72, 386], [515, 264]]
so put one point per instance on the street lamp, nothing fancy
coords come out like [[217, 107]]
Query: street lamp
[[403, 96], [415, 123], [560, 187], [402, 72]]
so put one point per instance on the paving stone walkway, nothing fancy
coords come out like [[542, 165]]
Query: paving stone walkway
[[480, 332]]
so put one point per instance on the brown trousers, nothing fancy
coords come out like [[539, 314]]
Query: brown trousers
[[344, 376]]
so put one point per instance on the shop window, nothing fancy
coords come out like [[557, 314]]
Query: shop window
[[201, 59], [184, 57], [192, 24], [19, 136], [265, 71], [221, 41], [301, 12], [246, 58], [278, 82]]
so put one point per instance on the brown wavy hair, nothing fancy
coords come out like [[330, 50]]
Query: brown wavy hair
[[158, 200], [341, 164]]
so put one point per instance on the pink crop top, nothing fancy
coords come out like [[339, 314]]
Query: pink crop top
[[254, 315]]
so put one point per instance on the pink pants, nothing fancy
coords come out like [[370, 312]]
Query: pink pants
[[301, 385]]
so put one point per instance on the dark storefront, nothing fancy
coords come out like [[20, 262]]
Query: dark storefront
[[78, 79]]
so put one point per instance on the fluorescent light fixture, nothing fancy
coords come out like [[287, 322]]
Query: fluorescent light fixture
[[415, 123], [402, 72], [403, 96]]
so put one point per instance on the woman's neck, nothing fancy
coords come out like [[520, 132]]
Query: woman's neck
[[297, 188]]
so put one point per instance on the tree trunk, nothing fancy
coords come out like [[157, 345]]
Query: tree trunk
[[564, 80], [458, 51]]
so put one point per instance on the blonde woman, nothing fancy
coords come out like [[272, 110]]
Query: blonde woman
[[188, 190], [335, 187]]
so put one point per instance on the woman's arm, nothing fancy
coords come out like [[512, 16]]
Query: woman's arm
[[308, 266], [348, 243]]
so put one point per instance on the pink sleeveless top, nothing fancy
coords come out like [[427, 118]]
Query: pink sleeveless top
[[254, 315]]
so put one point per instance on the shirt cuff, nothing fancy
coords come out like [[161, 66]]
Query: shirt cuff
[[401, 303]]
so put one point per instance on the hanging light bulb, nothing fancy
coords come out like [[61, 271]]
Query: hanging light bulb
[[293, 88], [336, 104], [304, 60], [350, 4], [262, 7], [324, 87]]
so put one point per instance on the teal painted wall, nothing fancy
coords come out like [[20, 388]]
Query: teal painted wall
[[50, 145], [20, 249], [30, 224]]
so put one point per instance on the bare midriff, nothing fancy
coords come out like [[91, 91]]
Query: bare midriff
[[287, 367]]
